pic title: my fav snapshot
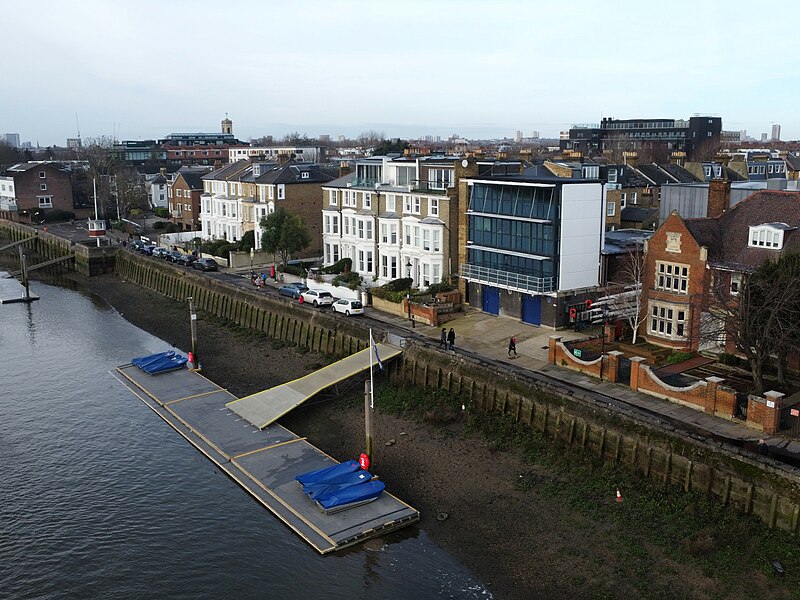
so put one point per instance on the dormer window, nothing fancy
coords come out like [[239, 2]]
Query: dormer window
[[769, 235]]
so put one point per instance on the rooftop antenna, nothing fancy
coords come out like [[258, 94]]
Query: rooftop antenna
[[78, 127]]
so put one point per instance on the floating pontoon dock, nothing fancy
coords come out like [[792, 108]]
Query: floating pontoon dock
[[263, 461], [263, 408]]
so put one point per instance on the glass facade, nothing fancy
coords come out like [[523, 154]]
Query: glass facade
[[515, 201], [516, 219]]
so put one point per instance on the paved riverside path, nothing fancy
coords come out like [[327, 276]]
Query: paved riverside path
[[486, 336]]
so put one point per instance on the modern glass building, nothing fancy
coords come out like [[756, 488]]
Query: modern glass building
[[530, 244]]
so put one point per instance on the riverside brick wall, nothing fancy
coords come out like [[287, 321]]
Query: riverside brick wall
[[570, 418]]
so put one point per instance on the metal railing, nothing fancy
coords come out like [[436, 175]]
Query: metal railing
[[507, 280]]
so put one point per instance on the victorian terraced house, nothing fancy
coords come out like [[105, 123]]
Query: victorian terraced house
[[394, 217]]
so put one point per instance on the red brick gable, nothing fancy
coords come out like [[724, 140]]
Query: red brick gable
[[674, 243]]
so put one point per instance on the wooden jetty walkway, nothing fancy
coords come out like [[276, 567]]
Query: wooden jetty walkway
[[263, 408], [263, 461]]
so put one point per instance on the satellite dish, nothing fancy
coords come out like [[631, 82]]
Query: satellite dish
[[465, 163]]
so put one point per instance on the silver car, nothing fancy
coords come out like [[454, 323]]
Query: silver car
[[317, 297]]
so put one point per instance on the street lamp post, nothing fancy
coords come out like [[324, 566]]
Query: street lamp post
[[408, 296], [603, 340]]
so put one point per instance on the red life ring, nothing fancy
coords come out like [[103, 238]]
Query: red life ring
[[588, 304], [573, 313], [363, 460]]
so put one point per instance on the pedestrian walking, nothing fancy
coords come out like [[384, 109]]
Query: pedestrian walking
[[451, 339], [272, 273], [443, 339], [512, 347], [263, 278]]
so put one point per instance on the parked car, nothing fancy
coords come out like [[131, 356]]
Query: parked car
[[147, 249], [205, 264], [174, 256], [160, 252], [348, 307], [293, 289], [317, 297], [137, 245], [186, 259]]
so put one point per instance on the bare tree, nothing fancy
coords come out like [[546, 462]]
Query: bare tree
[[626, 302], [761, 320], [130, 192]]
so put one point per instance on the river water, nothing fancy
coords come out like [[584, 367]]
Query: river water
[[99, 498]]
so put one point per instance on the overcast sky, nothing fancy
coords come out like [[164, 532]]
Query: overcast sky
[[143, 69]]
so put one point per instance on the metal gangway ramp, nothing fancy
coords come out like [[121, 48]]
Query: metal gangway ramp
[[264, 408], [264, 462]]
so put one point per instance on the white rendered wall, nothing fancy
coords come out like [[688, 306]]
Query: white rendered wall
[[582, 222]]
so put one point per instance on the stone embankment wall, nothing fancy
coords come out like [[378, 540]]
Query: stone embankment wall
[[575, 419], [278, 318], [89, 260]]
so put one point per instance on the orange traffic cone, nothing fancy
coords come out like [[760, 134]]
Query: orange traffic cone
[[619, 496]]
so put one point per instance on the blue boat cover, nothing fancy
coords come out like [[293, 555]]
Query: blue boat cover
[[160, 363], [355, 493], [318, 491], [321, 475]]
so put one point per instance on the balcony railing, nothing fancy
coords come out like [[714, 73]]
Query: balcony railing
[[508, 281], [364, 182], [430, 187]]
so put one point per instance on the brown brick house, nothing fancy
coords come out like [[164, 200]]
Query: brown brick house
[[39, 188], [184, 198], [685, 258]]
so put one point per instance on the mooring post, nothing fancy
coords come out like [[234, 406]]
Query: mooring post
[[23, 266], [193, 322]]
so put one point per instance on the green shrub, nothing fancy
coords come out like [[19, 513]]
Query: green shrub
[[172, 228], [293, 270], [677, 357], [384, 294], [247, 242], [159, 225], [341, 266], [352, 280], [161, 212], [438, 288], [399, 285]]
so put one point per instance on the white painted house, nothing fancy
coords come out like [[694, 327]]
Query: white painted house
[[392, 217]]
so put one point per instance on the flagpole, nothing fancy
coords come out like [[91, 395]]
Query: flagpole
[[368, 401]]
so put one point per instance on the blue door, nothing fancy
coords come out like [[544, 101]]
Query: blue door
[[532, 309], [491, 300]]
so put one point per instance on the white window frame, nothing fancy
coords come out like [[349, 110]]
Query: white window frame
[[45, 201], [672, 277], [611, 208], [433, 207], [334, 197], [668, 321]]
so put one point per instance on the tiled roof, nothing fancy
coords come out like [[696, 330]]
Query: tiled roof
[[654, 174], [292, 172], [226, 171], [638, 214], [727, 236], [679, 173]]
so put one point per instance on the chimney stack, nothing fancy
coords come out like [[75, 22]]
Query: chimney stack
[[719, 197]]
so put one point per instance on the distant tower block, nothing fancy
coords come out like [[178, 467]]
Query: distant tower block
[[776, 132], [227, 125]]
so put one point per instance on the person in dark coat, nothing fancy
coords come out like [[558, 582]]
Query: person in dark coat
[[451, 339], [443, 339], [512, 346]]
